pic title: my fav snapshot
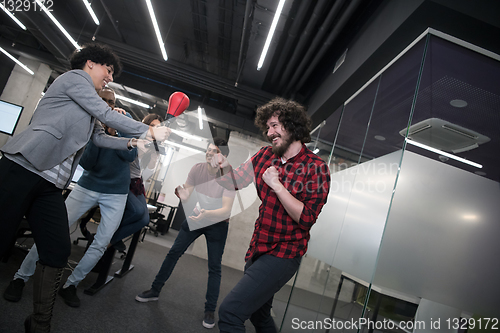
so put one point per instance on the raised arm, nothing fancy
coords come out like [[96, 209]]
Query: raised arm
[[231, 179], [79, 89], [184, 191], [306, 210]]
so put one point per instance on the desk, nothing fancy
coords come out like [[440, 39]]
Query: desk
[[379, 295], [162, 224], [103, 278]]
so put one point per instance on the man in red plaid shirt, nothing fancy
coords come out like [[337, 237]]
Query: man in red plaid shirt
[[293, 185]]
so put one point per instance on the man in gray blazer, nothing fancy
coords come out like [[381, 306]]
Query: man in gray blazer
[[39, 163]]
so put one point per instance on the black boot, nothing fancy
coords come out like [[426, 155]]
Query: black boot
[[46, 284]]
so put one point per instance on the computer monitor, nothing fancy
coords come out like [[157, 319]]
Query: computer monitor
[[9, 117]]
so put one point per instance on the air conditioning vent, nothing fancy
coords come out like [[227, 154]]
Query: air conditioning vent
[[443, 135]]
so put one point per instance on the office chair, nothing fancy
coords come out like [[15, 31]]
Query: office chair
[[23, 231]]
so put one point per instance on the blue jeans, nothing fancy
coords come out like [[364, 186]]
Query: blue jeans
[[78, 202], [252, 297], [216, 235], [135, 217]]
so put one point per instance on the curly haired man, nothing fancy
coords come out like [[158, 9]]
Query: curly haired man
[[293, 185]]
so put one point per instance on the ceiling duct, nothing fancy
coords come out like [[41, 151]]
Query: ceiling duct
[[443, 135]]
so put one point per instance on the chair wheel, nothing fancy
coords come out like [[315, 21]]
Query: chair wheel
[[75, 242], [156, 233]]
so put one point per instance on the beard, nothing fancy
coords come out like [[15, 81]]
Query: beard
[[280, 150]]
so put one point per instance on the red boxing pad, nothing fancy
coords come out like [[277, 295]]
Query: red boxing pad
[[177, 104]]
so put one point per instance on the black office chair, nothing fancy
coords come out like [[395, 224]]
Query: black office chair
[[87, 235], [155, 218]]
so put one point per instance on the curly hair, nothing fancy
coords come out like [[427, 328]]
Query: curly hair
[[98, 53], [291, 115]]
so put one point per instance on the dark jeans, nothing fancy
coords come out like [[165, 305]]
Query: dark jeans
[[216, 235], [135, 217], [252, 297], [24, 193]]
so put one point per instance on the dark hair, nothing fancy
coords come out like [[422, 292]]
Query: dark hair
[[150, 117], [98, 53], [221, 144], [291, 114]]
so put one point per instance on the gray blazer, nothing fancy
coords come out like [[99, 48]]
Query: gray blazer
[[64, 121]]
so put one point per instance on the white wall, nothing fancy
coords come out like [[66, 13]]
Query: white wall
[[441, 239], [349, 229]]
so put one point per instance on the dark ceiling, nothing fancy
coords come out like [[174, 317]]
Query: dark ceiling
[[214, 46]]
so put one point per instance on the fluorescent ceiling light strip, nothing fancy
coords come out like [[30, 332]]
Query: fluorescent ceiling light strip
[[200, 118], [17, 61], [13, 17], [157, 30], [440, 152], [56, 22], [89, 8], [186, 135], [271, 33], [126, 99]]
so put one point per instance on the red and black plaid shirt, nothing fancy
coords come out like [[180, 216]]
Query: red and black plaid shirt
[[306, 177]]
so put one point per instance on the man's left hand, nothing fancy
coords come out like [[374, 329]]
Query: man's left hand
[[120, 110], [271, 178]]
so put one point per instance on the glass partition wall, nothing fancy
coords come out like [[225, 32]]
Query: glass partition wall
[[407, 239]]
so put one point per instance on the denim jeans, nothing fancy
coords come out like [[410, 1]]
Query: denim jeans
[[135, 217], [78, 202], [252, 297], [216, 235]]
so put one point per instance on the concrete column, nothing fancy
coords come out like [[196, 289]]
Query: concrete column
[[25, 89]]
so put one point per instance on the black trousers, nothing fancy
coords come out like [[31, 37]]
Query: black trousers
[[24, 193], [252, 297]]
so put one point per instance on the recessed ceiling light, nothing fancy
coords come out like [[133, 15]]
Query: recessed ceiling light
[[458, 103], [379, 137]]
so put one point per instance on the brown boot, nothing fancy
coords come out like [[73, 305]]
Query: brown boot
[[46, 284]]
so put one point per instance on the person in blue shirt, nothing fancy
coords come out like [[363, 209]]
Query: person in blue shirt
[[136, 214], [105, 182]]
